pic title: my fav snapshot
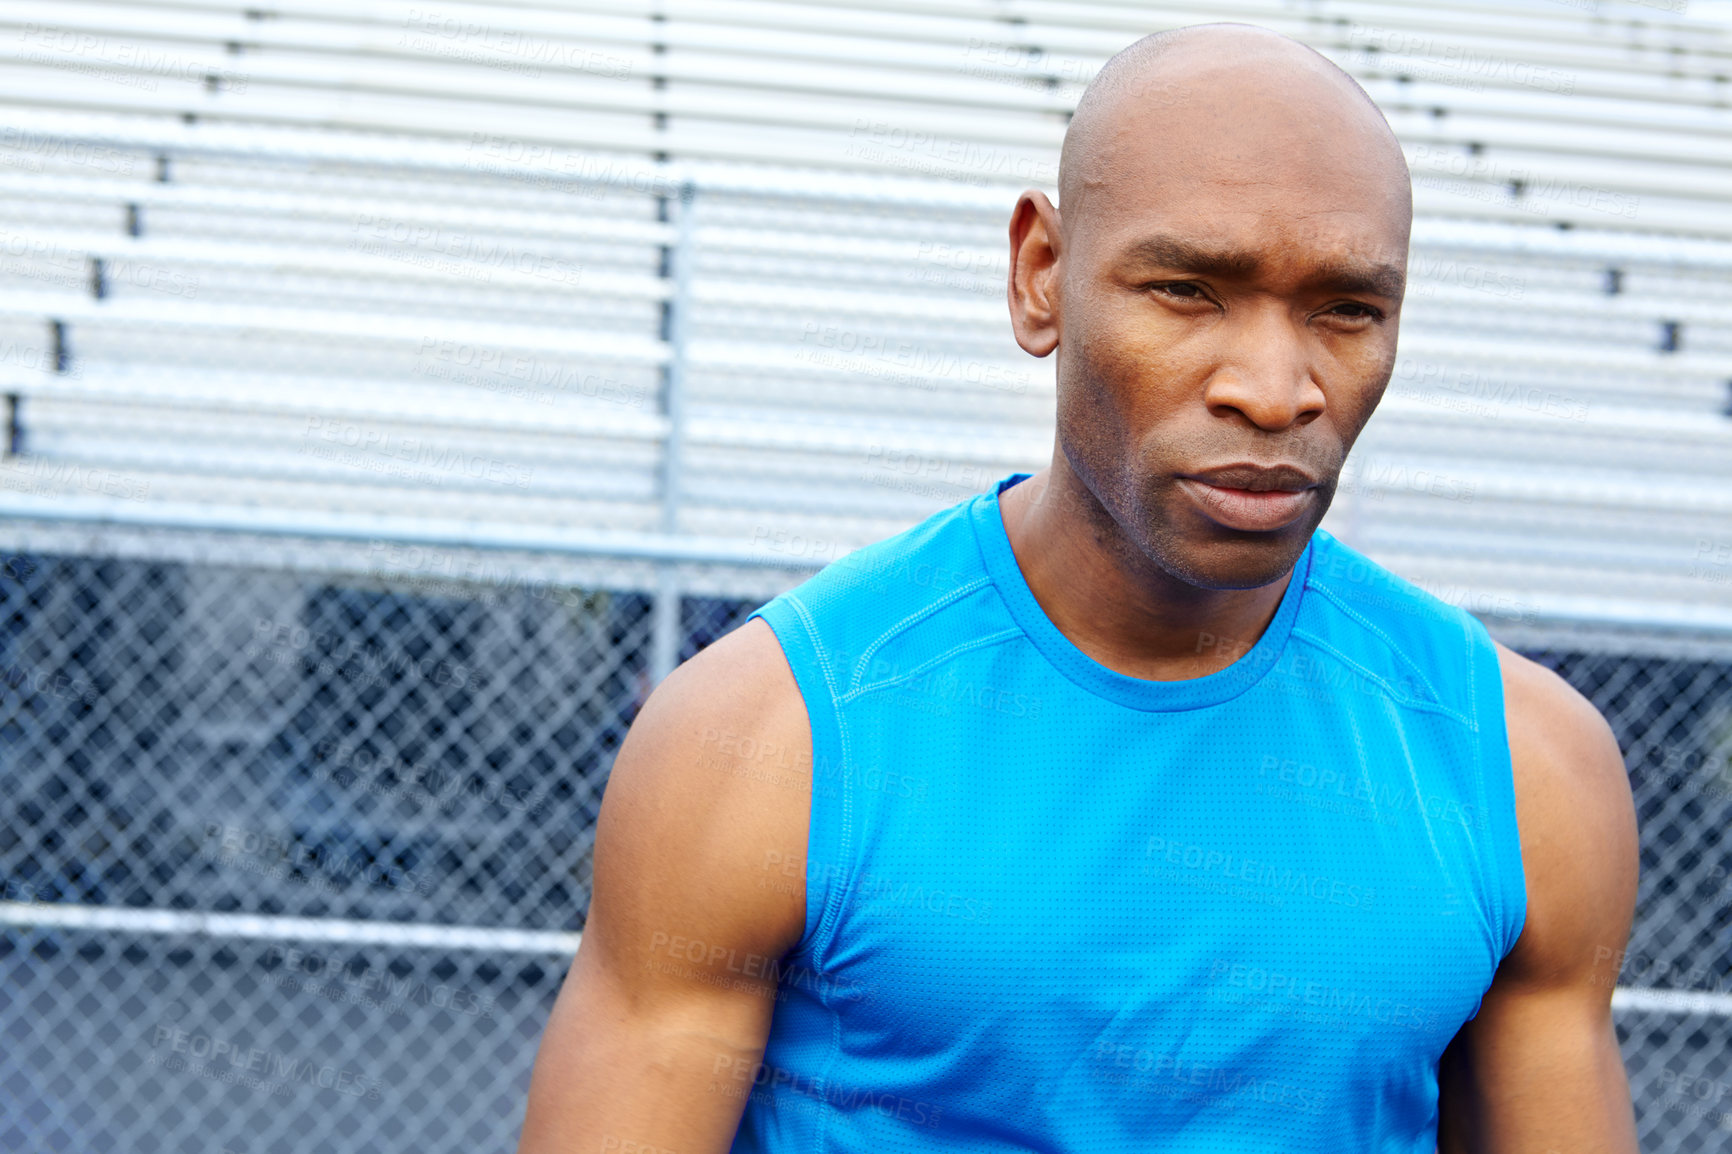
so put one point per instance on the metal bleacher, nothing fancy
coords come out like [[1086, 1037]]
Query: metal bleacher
[[393, 390], [722, 281]]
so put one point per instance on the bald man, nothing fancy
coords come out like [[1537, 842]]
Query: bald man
[[1122, 808]]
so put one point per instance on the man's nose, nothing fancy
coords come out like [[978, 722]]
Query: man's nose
[[1266, 373]]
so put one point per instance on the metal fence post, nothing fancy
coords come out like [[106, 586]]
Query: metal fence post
[[666, 628]]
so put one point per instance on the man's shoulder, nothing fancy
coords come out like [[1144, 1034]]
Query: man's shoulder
[[1559, 742], [900, 586], [735, 695], [1576, 816]]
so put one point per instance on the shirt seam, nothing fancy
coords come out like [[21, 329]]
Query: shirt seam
[[987, 641], [909, 622], [1358, 618], [1439, 708]]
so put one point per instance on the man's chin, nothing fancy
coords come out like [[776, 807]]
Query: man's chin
[[1233, 559]]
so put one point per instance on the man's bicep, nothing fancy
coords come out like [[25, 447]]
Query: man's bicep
[[1538, 1068], [699, 892]]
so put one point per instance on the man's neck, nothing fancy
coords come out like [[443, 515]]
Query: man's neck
[[1115, 604]]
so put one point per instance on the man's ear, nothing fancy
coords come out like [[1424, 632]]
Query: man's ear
[[1034, 273]]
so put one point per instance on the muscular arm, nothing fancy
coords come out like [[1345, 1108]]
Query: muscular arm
[[1538, 1070], [699, 884]]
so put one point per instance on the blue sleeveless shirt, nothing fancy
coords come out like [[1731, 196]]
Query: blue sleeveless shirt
[[1052, 907]]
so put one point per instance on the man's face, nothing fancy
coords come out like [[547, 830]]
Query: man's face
[[1229, 300]]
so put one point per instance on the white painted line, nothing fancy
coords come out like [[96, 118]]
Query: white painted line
[[262, 927], [266, 927], [1653, 1001]]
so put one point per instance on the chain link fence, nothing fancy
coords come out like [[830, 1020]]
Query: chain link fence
[[295, 856]]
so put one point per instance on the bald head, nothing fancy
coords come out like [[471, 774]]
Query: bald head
[[1221, 284], [1181, 98]]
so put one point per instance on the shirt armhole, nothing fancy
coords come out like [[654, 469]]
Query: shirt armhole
[[828, 866], [1497, 781]]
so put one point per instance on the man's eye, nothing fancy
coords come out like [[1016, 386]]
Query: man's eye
[[1181, 289], [1355, 310]]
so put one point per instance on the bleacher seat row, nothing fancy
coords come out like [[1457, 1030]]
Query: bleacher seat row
[[688, 270]]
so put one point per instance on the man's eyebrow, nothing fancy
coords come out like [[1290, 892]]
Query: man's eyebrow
[[1378, 278], [1171, 252]]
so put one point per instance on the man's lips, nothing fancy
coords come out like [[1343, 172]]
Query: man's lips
[[1250, 498]]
